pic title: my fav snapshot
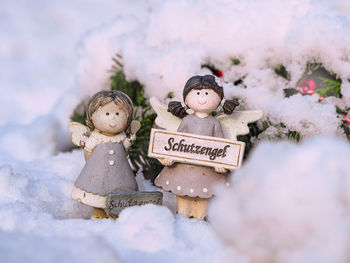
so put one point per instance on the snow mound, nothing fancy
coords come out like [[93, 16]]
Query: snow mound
[[289, 203]]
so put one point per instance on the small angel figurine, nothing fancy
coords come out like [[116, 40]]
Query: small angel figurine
[[193, 184], [106, 140]]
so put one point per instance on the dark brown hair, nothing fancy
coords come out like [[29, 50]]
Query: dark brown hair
[[202, 82], [198, 83], [104, 97]]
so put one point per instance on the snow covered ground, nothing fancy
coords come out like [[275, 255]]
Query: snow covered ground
[[289, 203]]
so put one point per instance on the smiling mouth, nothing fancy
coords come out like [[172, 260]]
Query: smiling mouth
[[112, 126], [201, 103]]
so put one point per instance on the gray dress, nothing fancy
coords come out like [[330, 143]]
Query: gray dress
[[188, 179], [107, 170]]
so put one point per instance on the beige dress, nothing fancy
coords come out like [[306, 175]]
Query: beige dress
[[188, 179]]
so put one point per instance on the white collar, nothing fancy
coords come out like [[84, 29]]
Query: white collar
[[105, 139]]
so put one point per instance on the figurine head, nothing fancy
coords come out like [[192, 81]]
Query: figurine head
[[202, 94], [109, 112]]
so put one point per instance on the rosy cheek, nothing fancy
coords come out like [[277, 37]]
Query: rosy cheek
[[191, 103], [214, 102]]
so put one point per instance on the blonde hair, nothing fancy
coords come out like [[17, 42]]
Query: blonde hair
[[104, 97]]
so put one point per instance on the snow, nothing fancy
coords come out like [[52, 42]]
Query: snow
[[290, 207], [39, 219], [262, 34], [272, 212], [288, 203]]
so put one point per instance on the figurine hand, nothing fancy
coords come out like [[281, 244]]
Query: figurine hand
[[132, 138], [166, 162], [220, 170]]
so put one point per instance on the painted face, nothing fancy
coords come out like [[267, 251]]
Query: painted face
[[110, 118], [204, 100]]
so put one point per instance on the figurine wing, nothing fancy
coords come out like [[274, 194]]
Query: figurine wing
[[78, 130], [164, 118], [237, 123], [134, 126]]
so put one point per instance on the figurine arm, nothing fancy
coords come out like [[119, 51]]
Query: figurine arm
[[218, 130], [128, 142], [89, 147], [86, 154], [134, 127], [183, 126], [218, 133]]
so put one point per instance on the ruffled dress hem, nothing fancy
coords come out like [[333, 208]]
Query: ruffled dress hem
[[90, 199]]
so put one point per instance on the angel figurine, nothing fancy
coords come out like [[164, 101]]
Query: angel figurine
[[194, 184], [106, 140]]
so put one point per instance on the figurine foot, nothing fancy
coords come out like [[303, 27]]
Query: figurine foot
[[99, 213]]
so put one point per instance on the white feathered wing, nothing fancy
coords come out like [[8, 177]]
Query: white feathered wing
[[78, 131], [237, 123], [164, 118]]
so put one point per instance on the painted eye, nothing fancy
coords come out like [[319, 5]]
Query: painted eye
[[198, 93], [117, 113], [107, 113], [206, 93]]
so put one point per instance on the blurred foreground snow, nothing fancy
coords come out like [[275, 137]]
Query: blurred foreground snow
[[289, 203]]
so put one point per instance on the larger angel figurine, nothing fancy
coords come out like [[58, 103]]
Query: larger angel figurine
[[194, 184], [106, 140]]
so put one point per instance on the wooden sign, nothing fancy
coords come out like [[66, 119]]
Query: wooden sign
[[116, 202], [196, 149]]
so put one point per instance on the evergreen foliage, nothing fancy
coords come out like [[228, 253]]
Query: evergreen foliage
[[281, 71]]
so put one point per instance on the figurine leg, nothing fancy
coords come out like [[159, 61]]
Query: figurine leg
[[192, 206], [199, 210]]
